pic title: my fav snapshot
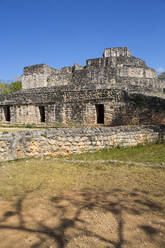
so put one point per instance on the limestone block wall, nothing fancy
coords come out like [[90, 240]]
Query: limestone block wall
[[120, 70], [60, 95], [113, 71], [45, 76], [116, 52], [120, 108], [25, 114], [116, 61], [35, 76], [21, 144], [59, 78], [133, 72], [116, 65]]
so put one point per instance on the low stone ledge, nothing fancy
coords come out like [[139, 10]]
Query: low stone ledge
[[56, 141]]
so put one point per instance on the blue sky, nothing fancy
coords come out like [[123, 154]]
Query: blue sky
[[64, 32]]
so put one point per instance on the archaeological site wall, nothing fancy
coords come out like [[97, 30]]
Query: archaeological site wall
[[117, 89], [44, 76], [117, 68], [64, 141], [108, 106], [106, 95]]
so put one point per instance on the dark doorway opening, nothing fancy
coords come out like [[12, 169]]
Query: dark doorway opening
[[100, 113], [7, 113], [42, 113]]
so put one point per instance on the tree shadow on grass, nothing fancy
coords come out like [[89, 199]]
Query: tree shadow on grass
[[67, 208]]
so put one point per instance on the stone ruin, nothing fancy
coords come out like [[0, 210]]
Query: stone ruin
[[117, 89]]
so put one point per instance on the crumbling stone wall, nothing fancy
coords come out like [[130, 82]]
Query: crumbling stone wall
[[63, 141], [73, 94], [117, 68], [118, 71], [120, 108], [44, 76], [116, 52]]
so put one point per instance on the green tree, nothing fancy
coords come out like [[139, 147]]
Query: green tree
[[14, 86], [4, 87], [10, 88]]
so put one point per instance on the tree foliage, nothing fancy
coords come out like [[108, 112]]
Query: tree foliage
[[15, 86], [4, 87], [10, 88]]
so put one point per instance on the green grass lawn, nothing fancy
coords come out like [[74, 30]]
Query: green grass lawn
[[46, 174], [153, 153], [43, 176]]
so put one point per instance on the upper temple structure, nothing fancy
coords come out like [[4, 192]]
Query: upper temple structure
[[117, 89], [117, 66]]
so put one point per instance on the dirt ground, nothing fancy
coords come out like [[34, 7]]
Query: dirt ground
[[114, 219], [51, 203]]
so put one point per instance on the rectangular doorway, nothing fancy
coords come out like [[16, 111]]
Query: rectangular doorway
[[6, 110], [100, 113], [42, 113]]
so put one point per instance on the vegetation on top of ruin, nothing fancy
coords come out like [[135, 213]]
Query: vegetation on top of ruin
[[138, 99]]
